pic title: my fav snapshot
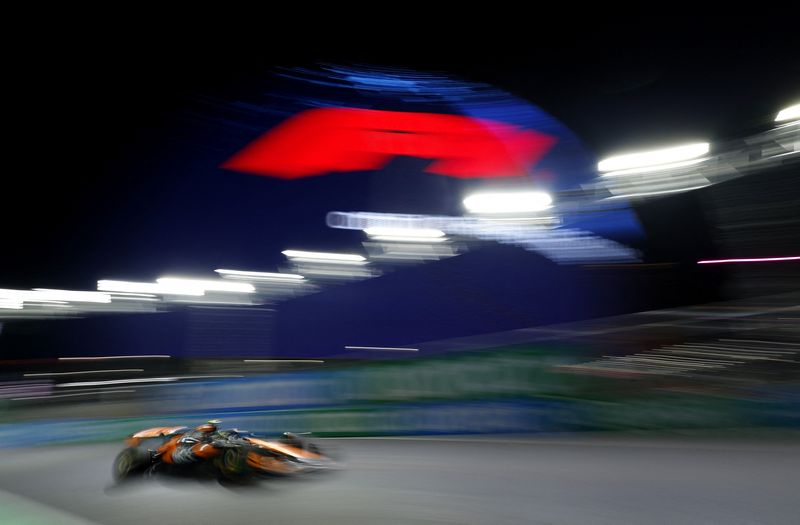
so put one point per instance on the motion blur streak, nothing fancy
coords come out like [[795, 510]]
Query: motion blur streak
[[318, 141], [404, 232], [218, 286], [150, 288], [283, 361], [69, 295], [144, 380], [325, 256], [86, 372], [43, 295], [259, 275], [758, 259], [659, 192], [788, 114], [73, 395], [11, 304], [399, 238], [515, 202], [538, 234], [650, 169], [118, 382], [387, 348], [100, 358], [654, 157]]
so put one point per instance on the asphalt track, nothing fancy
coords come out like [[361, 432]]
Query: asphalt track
[[514, 480]]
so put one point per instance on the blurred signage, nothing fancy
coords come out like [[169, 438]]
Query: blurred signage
[[320, 141]]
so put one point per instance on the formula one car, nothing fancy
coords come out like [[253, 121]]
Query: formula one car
[[230, 454]]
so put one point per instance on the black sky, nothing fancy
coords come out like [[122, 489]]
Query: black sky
[[81, 100]]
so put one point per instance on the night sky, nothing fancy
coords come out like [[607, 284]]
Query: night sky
[[98, 159]]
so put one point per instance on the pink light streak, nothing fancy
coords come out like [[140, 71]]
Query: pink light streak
[[761, 259]]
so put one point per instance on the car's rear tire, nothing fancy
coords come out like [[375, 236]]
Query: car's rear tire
[[127, 462], [233, 463]]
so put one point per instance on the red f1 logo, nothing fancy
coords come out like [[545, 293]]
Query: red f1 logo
[[319, 141]]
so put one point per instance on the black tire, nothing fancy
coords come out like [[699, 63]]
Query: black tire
[[233, 463], [128, 462]]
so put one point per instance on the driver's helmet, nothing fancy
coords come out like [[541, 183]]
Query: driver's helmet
[[291, 438], [208, 426]]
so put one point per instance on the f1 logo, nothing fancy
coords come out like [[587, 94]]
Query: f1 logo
[[320, 141]]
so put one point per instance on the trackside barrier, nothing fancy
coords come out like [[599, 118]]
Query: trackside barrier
[[514, 390]]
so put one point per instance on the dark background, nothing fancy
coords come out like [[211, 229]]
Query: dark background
[[92, 154]]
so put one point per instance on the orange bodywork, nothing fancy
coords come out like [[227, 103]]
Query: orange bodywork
[[201, 450], [135, 439], [156, 432], [206, 451], [283, 448], [271, 458], [276, 465], [268, 464], [167, 449]]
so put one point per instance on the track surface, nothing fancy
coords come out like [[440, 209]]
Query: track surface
[[435, 481]]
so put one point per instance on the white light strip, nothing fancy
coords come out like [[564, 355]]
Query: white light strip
[[324, 256], [655, 157], [70, 295], [72, 395], [340, 274], [787, 114], [734, 349], [44, 295], [660, 167], [118, 382], [326, 262], [215, 376], [216, 286], [148, 288], [387, 348], [511, 202], [283, 361], [136, 298], [648, 193], [143, 380], [261, 275], [10, 304], [114, 357], [426, 233], [86, 372], [397, 238]]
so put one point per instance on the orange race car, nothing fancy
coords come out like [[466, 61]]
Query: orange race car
[[231, 454]]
